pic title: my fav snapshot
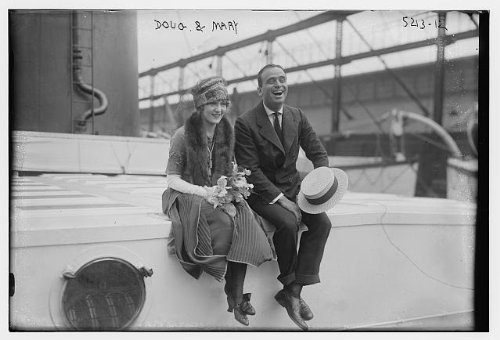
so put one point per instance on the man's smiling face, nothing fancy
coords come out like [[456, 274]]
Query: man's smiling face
[[274, 88]]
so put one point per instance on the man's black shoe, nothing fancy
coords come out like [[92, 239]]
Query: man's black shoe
[[305, 312], [292, 306]]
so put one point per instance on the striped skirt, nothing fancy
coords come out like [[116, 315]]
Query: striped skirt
[[206, 238]]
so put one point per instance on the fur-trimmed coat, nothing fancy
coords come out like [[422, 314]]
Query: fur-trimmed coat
[[197, 153], [190, 236]]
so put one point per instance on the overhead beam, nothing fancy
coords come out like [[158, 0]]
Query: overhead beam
[[267, 36], [449, 39]]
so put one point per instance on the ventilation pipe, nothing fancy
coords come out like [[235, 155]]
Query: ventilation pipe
[[78, 79], [445, 136]]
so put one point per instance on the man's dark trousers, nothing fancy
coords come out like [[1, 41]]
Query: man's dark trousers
[[302, 267]]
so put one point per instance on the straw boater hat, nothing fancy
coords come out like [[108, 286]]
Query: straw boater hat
[[321, 189]]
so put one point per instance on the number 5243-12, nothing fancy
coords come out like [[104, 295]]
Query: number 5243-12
[[419, 23]]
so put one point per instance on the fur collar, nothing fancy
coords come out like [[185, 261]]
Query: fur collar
[[198, 154]]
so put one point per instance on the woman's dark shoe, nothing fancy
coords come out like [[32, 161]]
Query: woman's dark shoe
[[240, 316], [246, 306], [229, 297]]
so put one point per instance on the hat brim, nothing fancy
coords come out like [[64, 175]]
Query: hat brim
[[309, 208]]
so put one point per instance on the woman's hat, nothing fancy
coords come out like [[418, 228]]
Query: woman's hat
[[321, 189], [209, 90]]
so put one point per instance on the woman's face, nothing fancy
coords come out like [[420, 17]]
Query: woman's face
[[212, 113]]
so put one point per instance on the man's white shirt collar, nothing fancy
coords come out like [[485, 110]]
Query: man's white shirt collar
[[271, 112]]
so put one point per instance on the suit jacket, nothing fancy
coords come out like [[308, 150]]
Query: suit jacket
[[273, 166]]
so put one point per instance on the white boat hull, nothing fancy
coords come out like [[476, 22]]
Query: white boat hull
[[390, 261]]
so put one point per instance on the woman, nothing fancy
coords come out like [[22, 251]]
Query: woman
[[207, 238]]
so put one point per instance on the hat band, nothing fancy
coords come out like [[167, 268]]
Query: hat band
[[329, 194], [211, 96]]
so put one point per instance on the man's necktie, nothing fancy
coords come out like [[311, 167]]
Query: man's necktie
[[277, 127]]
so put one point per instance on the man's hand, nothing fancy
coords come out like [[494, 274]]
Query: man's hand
[[290, 206]]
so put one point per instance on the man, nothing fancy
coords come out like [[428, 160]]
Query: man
[[268, 138]]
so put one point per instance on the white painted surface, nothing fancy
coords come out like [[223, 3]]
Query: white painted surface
[[389, 258], [462, 179], [58, 152]]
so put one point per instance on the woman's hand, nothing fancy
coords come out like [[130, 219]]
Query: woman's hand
[[209, 194]]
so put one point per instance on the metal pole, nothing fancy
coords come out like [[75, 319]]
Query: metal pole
[[439, 70], [72, 69], [165, 113], [269, 49], [180, 118], [181, 83], [151, 105], [432, 163], [92, 66], [218, 68], [337, 89]]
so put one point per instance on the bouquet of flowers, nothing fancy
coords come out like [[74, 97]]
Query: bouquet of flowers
[[229, 190]]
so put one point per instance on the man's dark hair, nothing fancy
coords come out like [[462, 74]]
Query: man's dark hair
[[259, 75]]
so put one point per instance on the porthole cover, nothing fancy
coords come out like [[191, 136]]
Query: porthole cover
[[104, 294]]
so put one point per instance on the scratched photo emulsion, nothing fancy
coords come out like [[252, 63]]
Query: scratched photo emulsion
[[247, 170]]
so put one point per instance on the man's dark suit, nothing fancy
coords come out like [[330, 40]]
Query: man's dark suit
[[274, 171]]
